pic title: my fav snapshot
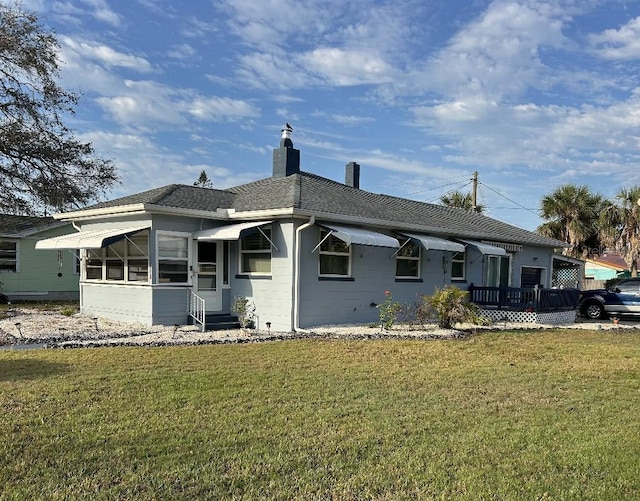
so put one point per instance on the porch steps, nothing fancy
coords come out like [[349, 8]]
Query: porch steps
[[220, 321]]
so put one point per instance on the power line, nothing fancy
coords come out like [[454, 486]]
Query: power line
[[458, 188], [455, 179], [512, 201], [467, 182]]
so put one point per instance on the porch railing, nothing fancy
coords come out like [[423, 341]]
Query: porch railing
[[197, 309], [523, 298]]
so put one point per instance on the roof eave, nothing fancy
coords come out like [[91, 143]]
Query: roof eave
[[100, 212]]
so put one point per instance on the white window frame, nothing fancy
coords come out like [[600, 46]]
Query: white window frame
[[244, 252], [464, 265], [327, 235], [399, 257], [101, 254], [17, 255], [187, 260]]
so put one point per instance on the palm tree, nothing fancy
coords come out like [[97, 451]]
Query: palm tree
[[620, 226], [461, 201], [572, 216]]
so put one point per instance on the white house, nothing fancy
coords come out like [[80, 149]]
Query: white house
[[306, 250]]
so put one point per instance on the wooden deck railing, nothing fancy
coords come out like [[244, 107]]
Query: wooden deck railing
[[524, 299]]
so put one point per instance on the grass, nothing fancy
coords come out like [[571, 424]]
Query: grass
[[537, 415]]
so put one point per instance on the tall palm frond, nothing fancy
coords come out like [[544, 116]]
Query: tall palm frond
[[620, 226], [572, 214]]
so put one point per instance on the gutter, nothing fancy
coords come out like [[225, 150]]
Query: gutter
[[296, 275]]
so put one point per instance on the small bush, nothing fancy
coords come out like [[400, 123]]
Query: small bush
[[389, 310], [68, 311], [245, 310], [450, 306]]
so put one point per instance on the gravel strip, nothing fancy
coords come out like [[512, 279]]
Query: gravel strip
[[51, 329]]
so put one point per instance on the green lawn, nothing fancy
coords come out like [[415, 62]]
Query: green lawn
[[521, 415]]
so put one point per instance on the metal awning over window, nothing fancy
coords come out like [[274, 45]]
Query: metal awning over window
[[234, 232], [230, 232], [435, 243], [360, 236], [486, 248], [90, 239]]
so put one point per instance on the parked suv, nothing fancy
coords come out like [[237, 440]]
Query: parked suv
[[621, 298]]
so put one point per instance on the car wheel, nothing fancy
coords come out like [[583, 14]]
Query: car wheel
[[594, 310]]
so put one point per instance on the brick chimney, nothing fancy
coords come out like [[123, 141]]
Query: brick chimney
[[286, 159], [352, 175]]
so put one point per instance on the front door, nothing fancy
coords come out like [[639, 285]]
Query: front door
[[208, 279], [499, 271]]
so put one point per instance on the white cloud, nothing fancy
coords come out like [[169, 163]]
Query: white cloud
[[273, 22], [144, 164], [220, 108], [153, 106], [103, 55], [265, 70], [497, 56], [182, 51], [306, 43], [623, 43], [342, 67], [102, 12]]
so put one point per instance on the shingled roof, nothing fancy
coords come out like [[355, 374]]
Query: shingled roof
[[323, 196], [19, 226], [328, 199], [175, 195]]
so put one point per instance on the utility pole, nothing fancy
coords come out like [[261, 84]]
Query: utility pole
[[474, 192]]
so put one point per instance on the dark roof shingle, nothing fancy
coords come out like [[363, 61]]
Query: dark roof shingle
[[12, 225], [319, 195]]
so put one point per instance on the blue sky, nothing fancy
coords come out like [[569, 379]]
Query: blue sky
[[421, 93]]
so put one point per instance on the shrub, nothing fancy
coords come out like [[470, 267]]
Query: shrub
[[389, 310], [244, 309], [451, 305], [68, 311]]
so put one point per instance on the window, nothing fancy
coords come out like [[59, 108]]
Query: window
[[114, 260], [255, 252], [124, 260], [93, 267], [628, 287], [335, 256], [457, 266], [8, 255], [173, 258], [408, 260], [137, 257]]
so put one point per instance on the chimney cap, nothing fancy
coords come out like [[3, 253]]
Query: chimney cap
[[286, 132], [286, 136]]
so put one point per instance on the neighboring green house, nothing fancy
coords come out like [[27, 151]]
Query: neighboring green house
[[27, 274], [606, 267]]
